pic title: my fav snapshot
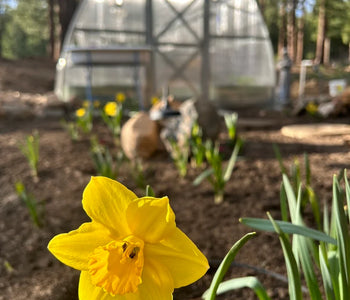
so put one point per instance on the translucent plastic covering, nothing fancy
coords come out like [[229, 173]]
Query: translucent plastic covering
[[218, 50]]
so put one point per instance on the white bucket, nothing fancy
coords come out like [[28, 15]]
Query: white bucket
[[336, 87]]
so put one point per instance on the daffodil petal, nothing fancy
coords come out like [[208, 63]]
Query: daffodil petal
[[150, 218], [157, 282], [105, 201], [74, 248], [180, 255], [88, 291]]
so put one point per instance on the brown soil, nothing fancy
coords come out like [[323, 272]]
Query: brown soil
[[65, 168]]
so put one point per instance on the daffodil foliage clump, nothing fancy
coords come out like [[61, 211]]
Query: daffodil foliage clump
[[131, 249]]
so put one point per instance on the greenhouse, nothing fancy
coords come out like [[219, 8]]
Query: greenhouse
[[217, 50]]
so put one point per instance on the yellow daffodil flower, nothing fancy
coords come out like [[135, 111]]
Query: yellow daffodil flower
[[311, 108], [155, 100], [97, 104], [111, 109], [120, 97], [131, 249], [80, 112], [86, 103]]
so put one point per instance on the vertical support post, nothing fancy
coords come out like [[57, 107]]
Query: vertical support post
[[149, 22], [88, 88], [302, 77], [137, 81], [205, 70], [150, 70]]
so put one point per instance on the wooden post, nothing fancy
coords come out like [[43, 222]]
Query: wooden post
[[327, 51]]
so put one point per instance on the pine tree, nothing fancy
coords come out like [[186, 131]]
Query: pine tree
[[26, 33], [4, 18]]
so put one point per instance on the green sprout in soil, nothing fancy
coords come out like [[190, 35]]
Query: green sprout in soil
[[137, 173], [30, 150], [72, 129], [112, 114], [104, 162], [231, 125], [84, 118], [197, 146], [35, 208], [180, 156], [216, 175]]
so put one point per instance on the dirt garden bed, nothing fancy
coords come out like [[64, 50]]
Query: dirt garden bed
[[65, 168]]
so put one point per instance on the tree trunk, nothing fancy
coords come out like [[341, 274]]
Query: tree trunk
[[262, 6], [2, 24], [66, 12], [1, 27], [282, 29], [321, 32], [51, 5], [327, 51], [291, 29], [300, 38]]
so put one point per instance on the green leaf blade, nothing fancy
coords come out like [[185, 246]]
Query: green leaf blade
[[232, 161], [266, 225], [225, 264], [294, 282], [205, 174], [242, 282]]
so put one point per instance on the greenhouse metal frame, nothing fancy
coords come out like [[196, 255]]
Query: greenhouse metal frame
[[179, 39]]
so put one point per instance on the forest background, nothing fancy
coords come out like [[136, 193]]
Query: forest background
[[310, 29]]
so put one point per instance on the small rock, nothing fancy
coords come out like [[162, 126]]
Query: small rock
[[139, 136]]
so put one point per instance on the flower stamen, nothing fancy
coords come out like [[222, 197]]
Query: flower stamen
[[125, 245], [134, 252]]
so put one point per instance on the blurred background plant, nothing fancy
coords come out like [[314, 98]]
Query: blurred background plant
[[120, 98], [180, 156], [72, 129], [112, 114], [137, 173], [104, 162], [197, 146], [84, 119], [216, 175], [35, 208], [8, 267], [231, 125], [30, 150], [312, 109]]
